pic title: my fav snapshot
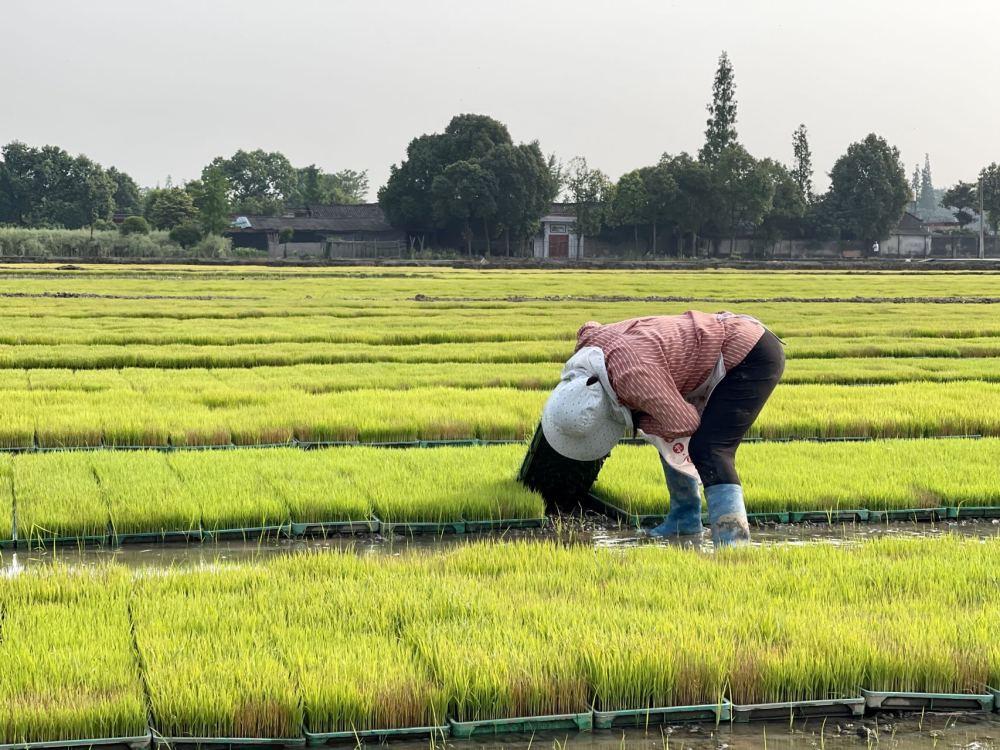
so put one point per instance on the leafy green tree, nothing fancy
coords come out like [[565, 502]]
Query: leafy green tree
[[465, 193], [134, 225], [496, 187], [525, 188], [990, 177], [260, 182], [868, 189], [284, 237], [210, 196], [187, 235], [166, 208], [928, 199], [802, 171], [784, 219], [744, 191], [963, 199], [720, 132], [694, 200], [630, 206], [126, 192], [589, 190], [915, 187], [315, 187], [661, 190]]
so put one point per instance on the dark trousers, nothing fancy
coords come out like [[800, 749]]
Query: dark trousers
[[732, 408]]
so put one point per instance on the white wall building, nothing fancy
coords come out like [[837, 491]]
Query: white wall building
[[557, 237]]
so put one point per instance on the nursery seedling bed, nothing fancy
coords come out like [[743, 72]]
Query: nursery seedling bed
[[798, 709], [647, 717], [133, 743], [330, 528], [878, 700], [613, 511], [974, 511], [380, 736], [580, 722]]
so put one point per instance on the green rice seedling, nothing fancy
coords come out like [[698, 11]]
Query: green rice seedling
[[212, 648], [319, 486], [144, 494], [69, 671], [6, 499], [437, 485], [231, 494], [57, 496]]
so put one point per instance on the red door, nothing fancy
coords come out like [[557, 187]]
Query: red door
[[558, 245]]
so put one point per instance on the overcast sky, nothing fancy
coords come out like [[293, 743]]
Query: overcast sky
[[160, 88]]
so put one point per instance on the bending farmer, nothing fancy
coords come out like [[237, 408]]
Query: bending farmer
[[692, 385]]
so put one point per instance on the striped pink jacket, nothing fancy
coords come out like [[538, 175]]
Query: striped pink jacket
[[652, 362]]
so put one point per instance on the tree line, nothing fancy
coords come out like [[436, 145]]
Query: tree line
[[46, 187]]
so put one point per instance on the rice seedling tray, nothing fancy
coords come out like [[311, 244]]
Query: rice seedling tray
[[147, 537], [974, 511], [410, 528], [909, 514], [759, 519], [135, 743], [41, 542], [228, 742], [644, 717], [506, 523], [890, 700], [829, 516], [318, 739], [249, 533], [798, 709], [996, 699], [581, 722], [332, 528]]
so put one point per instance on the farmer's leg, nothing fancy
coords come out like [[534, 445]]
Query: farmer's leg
[[684, 516], [733, 407]]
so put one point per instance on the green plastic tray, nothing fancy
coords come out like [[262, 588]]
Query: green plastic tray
[[798, 709], [974, 511], [233, 742], [647, 717], [147, 537], [410, 528], [316, 739], [247, 534], [908, 514], [758, 519], [581, 722], [141, 741], [506, 523], [328, 528], [996, 699], [829, 516], [879, 700], [41, 542]]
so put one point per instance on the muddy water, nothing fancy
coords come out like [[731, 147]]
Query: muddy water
[[594, 531], [913, 732]]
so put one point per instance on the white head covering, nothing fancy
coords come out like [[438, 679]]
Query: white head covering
[[580, 421]]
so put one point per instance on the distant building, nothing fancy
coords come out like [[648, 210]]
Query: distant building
[[557, 237], [341, 230], [909, 238]]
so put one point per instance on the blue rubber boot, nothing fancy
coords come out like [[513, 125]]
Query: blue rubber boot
[[684, 516], [727, 515]]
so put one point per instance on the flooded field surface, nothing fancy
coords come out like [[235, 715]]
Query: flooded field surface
[[590, 530]]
